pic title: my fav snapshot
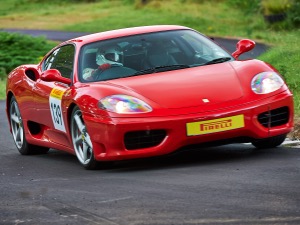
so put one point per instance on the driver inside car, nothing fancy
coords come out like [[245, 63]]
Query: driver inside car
[[106, 57]]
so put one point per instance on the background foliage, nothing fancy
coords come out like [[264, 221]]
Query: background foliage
[[17, 49]]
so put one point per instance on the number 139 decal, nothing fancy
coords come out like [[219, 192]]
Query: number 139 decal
[[55, 108]]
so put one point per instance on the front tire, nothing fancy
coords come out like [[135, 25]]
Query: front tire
[[18, 133], [271, 142], [81, 141]]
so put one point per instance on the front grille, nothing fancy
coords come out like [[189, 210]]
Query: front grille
[[275, 117], [143, 139]]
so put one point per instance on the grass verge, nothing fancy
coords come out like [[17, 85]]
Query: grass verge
[[2, 88]]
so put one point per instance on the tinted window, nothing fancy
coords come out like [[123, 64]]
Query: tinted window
[[147, 53], [61, 59]]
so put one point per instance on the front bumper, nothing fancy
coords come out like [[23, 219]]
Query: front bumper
[[108, 135]]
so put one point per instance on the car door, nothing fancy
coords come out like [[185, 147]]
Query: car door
[[49, 95]]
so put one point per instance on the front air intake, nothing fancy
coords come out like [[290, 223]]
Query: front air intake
[[143, 139], [275, 117]]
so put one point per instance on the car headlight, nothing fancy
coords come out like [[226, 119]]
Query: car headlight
[[266, 82], [124, 104]]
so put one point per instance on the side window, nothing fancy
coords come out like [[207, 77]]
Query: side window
[[61, 59]]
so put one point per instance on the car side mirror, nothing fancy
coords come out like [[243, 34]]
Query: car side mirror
[[243, 46], [54, 75]]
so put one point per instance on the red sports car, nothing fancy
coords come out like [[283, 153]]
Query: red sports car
[[143, 92]]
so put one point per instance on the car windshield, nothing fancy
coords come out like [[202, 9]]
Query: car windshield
[[147, 53]]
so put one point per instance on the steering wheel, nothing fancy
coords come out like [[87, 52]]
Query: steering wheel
[[114, 72]]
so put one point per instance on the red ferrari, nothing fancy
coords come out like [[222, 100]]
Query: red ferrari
[[143, 92]]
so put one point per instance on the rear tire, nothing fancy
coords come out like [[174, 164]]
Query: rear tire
[[17, 128], [271, 142]]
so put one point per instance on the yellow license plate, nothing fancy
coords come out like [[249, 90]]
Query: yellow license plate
[[213, 126]]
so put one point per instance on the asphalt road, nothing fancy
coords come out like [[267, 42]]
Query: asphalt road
[[228, 44], [231, 184]]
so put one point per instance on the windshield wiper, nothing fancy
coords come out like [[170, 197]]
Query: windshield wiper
[[218, 60], [161, 69]]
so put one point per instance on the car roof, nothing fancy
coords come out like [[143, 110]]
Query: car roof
[[124, 32]]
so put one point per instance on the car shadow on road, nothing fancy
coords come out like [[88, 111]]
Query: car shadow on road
[[189, 158], [206, 156]]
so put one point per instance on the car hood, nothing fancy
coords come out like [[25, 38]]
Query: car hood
[[205, 85]]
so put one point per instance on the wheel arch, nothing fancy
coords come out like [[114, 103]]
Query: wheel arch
[[8, 100], [69, 114]]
